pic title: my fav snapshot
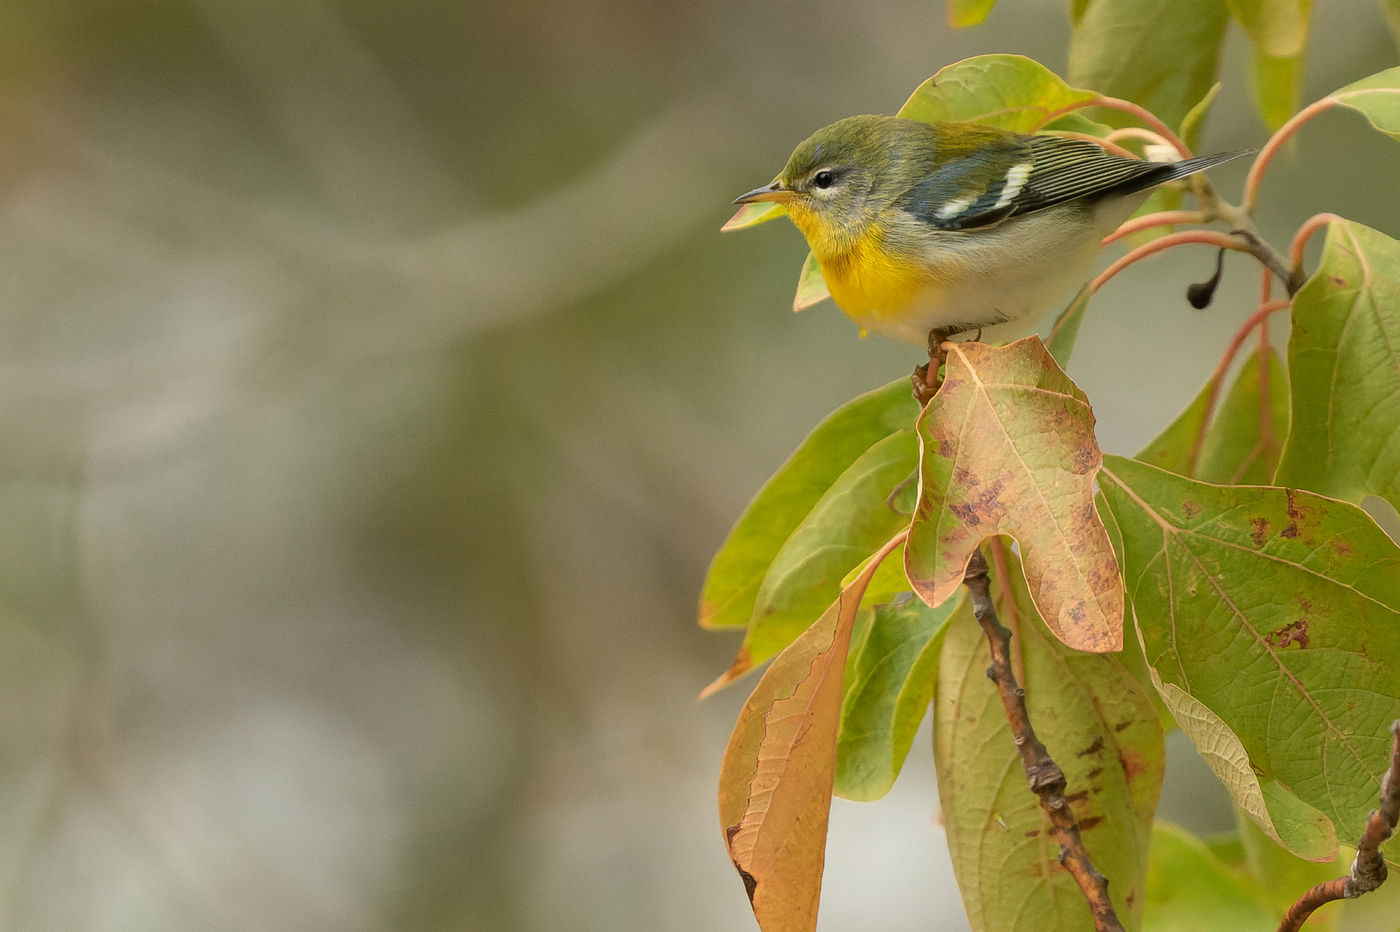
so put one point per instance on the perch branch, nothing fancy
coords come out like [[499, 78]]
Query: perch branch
[[1368, 870], [1045, 777]]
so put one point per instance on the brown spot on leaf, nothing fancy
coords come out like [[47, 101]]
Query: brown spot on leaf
[[1085, 458], [983, 506], [1032, 833], [1089, 822], [1259, 530], [1093, 773], [1338, 281], [1296, 513], [1290, 634], [1133, 763], [1190, 508], [1340, 547], [1094, 748], [1123, 726], [1079, 797]]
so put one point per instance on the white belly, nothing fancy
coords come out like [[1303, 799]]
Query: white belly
[[1001, 280]]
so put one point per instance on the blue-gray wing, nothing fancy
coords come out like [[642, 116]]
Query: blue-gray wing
[[1045, 171]]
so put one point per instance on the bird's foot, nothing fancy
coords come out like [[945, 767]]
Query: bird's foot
[[927, 378]]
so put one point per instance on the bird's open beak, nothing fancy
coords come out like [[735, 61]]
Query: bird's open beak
[[776, 192]]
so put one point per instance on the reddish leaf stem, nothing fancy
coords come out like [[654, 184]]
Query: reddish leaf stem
[[1045, 777], [1162, 218], [1368, 870], [1207, 237], [1255, 177], [1300, 240], [1148, 117]]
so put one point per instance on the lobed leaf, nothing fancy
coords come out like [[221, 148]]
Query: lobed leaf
[[890, 678], [1278, 612], [1162, 54], [1344, 361], [1098, 725], [776, 775], [843, 528], [737, 570], [1007, 447]]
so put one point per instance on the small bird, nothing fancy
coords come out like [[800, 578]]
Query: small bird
[[951, 228]]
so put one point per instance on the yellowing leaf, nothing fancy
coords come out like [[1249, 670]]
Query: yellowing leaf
[[1278, 611], [1099, 726], [1276, 27], [776, 776], [964, 13], [751, 215], [811, 286], [1344, 362], [1007, 447]]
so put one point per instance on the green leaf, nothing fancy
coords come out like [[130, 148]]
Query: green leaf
[[890, 680], [1100, 728], [1278, 611], [737, 571], [1245, 439], [964, 13], [1390, 9], [1281, 815], [1242, 444], [1276, 83], [1377, 98], [1284, 875], [1195, 118], [1010, 91], [1065, 330], [1276, 27], [1172, 448], [848, 523], [811, 286], [1007, 447], [1344, 362], [1189, 888], [1162, 54]]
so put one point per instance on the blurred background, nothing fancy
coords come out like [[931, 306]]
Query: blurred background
[[375, 385]]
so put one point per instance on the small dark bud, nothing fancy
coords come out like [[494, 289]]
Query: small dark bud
[[1201, 293]]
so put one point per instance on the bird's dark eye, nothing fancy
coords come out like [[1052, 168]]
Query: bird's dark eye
[[824, 179]]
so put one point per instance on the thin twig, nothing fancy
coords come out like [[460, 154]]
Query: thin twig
[[1045, 777], [1368, 870]]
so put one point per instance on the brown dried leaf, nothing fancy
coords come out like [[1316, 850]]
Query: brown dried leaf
[[778, 771]]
